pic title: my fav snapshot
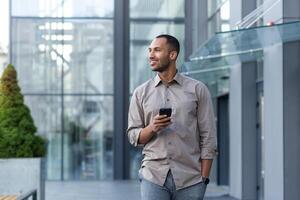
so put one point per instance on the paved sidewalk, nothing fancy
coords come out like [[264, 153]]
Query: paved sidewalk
[[111, 190]]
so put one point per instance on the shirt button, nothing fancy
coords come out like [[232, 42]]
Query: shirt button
[[169, 143]]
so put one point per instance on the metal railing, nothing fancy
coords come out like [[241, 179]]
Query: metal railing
[[256, 14]]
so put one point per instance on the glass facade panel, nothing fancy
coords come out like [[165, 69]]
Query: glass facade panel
[[46, 113], [34, 58], [169, 19], [218, 16], [157, 8], [245, 44], [42, 48], [90, 66], [63, 8], [65, 70], [217, 80], [88, 137]]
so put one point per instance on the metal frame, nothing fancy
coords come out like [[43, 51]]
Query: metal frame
[[188, 29], [26, 196], [121, 89], [10, 31], [176, 20], [66, 18], [62, 98]]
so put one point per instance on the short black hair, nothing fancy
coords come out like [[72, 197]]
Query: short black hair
[[172, 41]]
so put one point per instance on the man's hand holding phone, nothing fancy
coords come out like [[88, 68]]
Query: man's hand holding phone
[[162, 120]]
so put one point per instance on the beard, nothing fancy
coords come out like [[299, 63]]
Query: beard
[[161, 67]]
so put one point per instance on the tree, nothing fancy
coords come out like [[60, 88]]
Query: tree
[[17, 129]]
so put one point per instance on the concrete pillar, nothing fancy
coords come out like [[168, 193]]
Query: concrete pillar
[[242, 115], [235, 130], [291, 120], [243, 137], [196, 11], [273, 99], [282, 105]]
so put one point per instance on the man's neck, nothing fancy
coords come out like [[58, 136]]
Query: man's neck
[[168, 75]]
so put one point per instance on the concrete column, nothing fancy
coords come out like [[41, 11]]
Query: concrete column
[[291, 120], [196, 25], [235, 130], [273, 99], [242, 115], [121, 89], [282, 116], [249, 132], [243, 137]]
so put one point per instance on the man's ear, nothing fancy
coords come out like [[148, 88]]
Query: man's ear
[[173, 55]]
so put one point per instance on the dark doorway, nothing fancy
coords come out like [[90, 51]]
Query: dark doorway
[[260, 140], [223, 139]]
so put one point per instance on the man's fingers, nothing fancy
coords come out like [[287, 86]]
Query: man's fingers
[[165, 119], [161, 121], [163, 124], [159, 117]]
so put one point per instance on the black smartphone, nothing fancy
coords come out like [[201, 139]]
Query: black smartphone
[[165, 111]]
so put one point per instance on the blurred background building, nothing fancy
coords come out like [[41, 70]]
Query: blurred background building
[[78, 63]]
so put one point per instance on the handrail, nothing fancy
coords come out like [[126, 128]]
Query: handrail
[[256, 14]]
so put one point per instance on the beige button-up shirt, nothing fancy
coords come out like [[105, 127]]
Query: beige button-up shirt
[[190, 137]]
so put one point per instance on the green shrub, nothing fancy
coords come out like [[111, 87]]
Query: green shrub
[[17, 129]]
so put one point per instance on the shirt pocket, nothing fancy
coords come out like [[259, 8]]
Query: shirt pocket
[[189, 104], [186, 115]]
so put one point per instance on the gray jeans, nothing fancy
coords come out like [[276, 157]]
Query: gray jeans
[[151, 191]]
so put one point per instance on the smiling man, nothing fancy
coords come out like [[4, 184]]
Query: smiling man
[[178, 149]]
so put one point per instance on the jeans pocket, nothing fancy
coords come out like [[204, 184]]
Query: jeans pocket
[[140, 175]]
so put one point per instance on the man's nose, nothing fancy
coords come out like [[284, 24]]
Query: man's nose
[[150, 55]]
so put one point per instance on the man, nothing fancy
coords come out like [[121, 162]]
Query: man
[[178, 150]]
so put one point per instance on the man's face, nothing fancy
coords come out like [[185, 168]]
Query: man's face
[[159, 55]]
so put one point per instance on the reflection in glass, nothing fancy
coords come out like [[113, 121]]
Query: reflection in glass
[[157, 8], [218, 16], [90, 66], [42, 48], [88, 137], [33, 58], [63, 54], [63, 8], [46, 112]]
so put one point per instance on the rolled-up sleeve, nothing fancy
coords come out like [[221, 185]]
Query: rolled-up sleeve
[[206, 124], [135, 120]]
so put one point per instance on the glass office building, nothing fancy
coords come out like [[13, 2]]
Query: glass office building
[[78, 63], [64, 55]]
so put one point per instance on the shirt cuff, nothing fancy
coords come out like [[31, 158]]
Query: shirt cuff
[[208, 153], [134, 137]]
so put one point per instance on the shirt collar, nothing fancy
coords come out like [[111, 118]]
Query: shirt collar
[[157, 80], [177, 78]]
